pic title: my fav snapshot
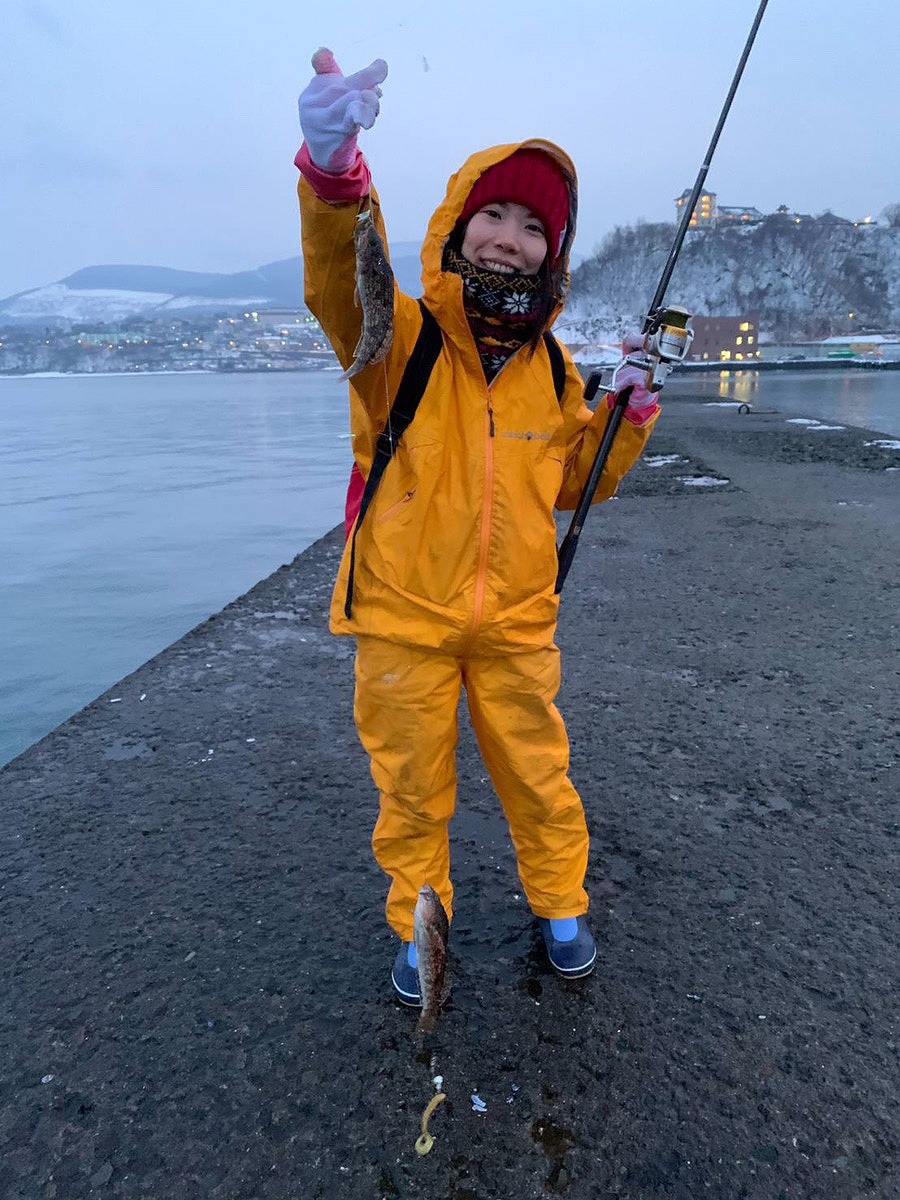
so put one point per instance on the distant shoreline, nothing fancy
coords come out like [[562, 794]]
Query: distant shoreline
[[806, 364], [692, 368], [186, 371]]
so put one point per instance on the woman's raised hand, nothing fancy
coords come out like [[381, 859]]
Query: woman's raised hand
[[334, 107]]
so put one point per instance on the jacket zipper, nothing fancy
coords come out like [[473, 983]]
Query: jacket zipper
[[486, 516]]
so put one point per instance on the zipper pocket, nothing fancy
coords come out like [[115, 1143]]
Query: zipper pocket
[[395, 507]]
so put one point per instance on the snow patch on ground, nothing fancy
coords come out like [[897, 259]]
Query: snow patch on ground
[[701, 481], [885, 444], [662, 460], [810, 424], [723, 404]]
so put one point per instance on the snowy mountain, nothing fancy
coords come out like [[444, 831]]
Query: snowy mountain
[[113, 293], [98, 295], [803, 275]]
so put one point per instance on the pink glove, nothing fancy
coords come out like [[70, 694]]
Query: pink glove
[[334, 107], [641, 396], [642, 403]]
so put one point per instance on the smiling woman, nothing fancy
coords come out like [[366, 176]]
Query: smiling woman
[[505, 237], [455, 569], [528, 184], [514, 221]]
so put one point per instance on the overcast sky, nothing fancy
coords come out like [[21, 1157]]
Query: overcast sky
[[163, 132]]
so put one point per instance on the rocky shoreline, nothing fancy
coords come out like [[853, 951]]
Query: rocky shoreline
[[196, 992]]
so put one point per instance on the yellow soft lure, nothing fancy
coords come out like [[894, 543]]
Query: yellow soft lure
[[425, 1141]]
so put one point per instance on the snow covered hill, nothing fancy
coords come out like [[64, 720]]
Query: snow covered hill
[[803, 277], [103, 294], [806, 277], [98, 295]]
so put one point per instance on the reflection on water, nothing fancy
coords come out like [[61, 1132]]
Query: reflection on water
[[869, 399], [742, 385]]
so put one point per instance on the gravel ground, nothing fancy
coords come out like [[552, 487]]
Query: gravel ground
[[195, 983]]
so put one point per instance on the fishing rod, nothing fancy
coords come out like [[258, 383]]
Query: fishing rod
[[667, 337]]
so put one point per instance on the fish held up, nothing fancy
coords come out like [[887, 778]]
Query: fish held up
[[375, 292], [430, 931]]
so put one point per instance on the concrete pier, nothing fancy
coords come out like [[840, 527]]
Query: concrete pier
[[195, 997]]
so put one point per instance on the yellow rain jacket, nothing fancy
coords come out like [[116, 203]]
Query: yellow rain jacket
[[458, 550]]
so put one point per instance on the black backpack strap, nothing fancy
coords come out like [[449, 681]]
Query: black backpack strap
[[557, 365], [412, 387]]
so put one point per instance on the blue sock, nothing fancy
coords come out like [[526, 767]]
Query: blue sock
[[411, 957], [564, 929]]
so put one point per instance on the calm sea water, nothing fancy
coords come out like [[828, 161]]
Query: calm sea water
[[133, 507], [867, 399]]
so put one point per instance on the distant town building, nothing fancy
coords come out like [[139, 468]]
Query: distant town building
[[709, 214], [704, 214], [747, 215], [284, 317], [798, 218], [856, 345], [725, 339], [830, 218]]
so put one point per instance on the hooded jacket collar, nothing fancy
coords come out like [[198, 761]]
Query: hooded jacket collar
[[442, 290]]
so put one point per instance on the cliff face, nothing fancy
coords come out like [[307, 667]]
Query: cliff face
[[803, 279]]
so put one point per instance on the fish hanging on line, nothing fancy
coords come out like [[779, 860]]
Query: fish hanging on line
[[375, 293], [430, 931]]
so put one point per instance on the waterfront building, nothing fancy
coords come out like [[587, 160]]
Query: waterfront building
[[725, 339], [856, 345], [884, 347]]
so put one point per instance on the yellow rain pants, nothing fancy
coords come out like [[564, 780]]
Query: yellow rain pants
[[406, 715]]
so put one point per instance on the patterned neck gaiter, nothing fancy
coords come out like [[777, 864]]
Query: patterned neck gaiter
[[502, 310]]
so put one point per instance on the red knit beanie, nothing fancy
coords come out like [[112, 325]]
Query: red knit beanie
[[528, 177]]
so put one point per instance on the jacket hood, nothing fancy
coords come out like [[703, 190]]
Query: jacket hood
[[439, 286]]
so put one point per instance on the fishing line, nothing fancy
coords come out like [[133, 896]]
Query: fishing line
[[666, 336], [370, 37]]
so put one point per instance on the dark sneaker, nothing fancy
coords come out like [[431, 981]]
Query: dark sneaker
[[573, 959], [405, 979]]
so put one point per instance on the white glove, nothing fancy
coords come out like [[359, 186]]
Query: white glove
[[334, 107]]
